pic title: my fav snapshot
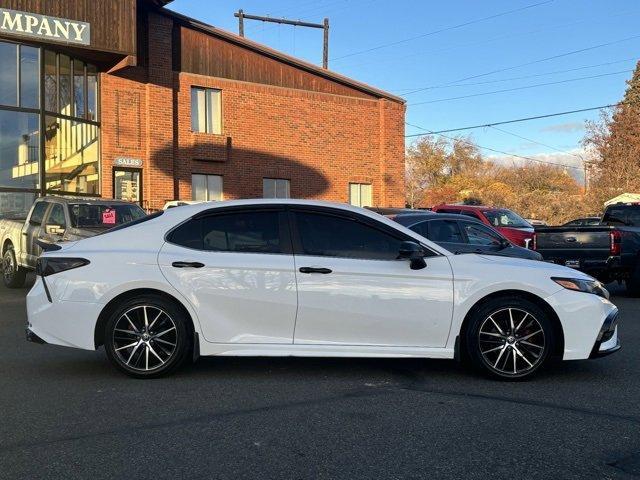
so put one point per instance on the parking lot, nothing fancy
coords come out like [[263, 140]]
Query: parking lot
[[68, 414]]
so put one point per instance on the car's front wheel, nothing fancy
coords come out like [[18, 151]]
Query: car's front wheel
[[13, 275], [147, 337], [509, 338]]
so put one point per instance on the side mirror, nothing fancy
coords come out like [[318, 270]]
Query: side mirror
[[414, 253], [504, 243]]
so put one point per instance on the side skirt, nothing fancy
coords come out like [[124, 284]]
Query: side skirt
[[289, 350]]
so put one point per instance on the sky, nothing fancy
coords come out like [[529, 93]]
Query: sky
[[461, 63]]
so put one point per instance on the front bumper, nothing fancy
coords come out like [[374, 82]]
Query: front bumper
[[607, 341]]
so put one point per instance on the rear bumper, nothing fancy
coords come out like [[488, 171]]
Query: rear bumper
[[607, 341], [71, 324], [32, 337]]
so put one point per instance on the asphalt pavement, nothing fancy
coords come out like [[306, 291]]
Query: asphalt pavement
[[68, 414]]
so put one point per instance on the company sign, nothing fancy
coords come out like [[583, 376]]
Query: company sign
[[43, 27]]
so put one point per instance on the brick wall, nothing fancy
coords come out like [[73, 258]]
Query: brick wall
[[320, 142]]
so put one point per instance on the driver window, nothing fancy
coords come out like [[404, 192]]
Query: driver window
[[480, 236], [56, 218], [446, 231], [327, 235]]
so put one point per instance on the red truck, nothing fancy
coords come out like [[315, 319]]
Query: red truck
[[508, 223]]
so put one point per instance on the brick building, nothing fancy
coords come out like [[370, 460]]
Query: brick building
[[127, 99]]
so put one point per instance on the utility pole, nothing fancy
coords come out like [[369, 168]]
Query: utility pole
[[241, 16]]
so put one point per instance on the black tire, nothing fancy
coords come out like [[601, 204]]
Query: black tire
[[497, 349], [146, 352], [13, 276]]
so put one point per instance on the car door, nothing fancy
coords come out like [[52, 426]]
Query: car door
[[446, 233], [353, 290], [236, 268], [32, 231], [480, 238]]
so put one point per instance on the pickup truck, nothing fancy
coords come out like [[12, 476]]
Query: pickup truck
[[609, 251], [52, 220]]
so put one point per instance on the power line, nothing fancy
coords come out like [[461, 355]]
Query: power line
[[522, 157], [514, 89], [517, 120], [538, 143], [441, 30], [533, 62], [524, 77], [395, 58]]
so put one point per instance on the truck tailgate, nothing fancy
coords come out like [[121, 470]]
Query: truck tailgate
[[574, 245]]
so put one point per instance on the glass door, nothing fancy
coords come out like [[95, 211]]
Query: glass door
[[127, 184]]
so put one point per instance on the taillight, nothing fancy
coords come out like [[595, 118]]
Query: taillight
[[616, 242], [534, 241], [50, 265]]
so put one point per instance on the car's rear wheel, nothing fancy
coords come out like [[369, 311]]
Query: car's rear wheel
[[147, 337], [12, 275], [509, 338]]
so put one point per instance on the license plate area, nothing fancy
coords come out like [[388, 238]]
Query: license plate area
[[572, 263]]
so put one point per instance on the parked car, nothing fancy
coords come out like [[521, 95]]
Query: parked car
[[536, 223], [388, 211], [608, 251], [56, 219], [179, 203], [307, 278], [583, 222], [508, 223], [462, 234]]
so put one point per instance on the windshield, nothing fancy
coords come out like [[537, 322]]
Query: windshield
[[505, 218], [105, 216]]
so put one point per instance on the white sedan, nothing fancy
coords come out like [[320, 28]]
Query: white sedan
[[308, 278]]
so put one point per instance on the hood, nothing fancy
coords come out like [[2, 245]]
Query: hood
[[551, 268]]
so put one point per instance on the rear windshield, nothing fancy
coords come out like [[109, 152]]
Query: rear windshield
[[505, 218], [103, 216]]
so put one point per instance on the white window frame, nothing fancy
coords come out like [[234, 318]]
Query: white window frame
[[211, 185], [281, 187], [206, 110], [359, 190]]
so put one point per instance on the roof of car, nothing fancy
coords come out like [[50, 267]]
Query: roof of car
[[466, 207], [187, 211], [88, 201], [413, 218]]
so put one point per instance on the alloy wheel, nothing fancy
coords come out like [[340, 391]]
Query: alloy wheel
[[512, 341], [145, 338]]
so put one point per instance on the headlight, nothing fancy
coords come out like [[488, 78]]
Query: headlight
[[580, 285]]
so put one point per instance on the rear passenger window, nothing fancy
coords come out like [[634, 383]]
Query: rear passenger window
[[38, 213], [334, 236], [245, 232], [446, 231]]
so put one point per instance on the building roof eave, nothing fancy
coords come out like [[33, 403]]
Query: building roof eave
[[270, 52]]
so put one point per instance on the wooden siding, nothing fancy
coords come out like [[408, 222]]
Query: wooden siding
[[113, 22], [205, 54]]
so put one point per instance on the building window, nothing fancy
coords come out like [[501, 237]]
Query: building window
[[49, 138], [360, 194], [276, 188], [206, 110], [205, 188]]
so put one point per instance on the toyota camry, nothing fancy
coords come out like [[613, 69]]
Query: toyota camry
[[308, 278]]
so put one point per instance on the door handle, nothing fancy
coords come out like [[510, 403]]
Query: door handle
[[315, 270], [187, 264]]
